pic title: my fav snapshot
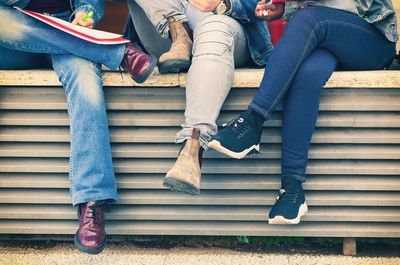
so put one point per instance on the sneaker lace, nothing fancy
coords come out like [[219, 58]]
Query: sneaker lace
[[94, 214], [288, 194], [120, 70], [237, 126]]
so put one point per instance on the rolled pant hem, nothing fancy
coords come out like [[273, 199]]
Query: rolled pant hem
[[253, 106], [203, 143], [299, 178], [100, 197]]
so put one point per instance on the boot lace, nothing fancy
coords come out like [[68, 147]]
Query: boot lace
[[120, 70], [93, 213]]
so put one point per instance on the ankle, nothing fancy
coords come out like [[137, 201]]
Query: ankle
[[187, 29], [258, 118], [288, 179]]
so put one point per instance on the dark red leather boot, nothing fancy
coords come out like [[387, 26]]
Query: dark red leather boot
[[136, 62], [91, 236]]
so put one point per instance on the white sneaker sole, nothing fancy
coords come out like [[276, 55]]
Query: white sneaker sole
[[214, 144], [282, 220]]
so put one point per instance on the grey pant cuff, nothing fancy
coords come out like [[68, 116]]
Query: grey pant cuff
[[203, 142]]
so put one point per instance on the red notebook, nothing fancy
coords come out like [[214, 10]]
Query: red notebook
[[92, 35]]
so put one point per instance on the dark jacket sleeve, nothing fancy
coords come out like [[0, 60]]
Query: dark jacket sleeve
[[244, 10]]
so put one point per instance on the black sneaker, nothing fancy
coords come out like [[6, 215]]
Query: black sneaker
[[290, 205], [240, 136]]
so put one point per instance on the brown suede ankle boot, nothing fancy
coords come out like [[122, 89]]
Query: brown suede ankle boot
[[185, 175], [177, 59]]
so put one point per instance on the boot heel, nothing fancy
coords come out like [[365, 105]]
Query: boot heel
[[178, 185], [178, 58]]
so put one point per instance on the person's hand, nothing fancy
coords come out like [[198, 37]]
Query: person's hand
[[89, 23], [205, 5], [269, 11]]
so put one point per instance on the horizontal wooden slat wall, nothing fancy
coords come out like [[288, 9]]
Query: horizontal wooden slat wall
[[353, 186]]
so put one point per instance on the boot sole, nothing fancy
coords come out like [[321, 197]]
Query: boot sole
[[173, 66], [279, 219], [147, 73], [178, 185], [253, 150], [88, 250]]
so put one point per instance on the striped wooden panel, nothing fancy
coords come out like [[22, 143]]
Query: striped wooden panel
[[353, 182]]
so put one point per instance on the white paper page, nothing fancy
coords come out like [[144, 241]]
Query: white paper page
[[92, 35]]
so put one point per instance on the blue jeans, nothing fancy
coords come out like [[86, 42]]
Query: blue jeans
[[27, 43], [219, 45], [23, 33], [315, 42]]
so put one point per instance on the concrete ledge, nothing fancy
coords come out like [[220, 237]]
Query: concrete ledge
[[110, 78], [243, 78]]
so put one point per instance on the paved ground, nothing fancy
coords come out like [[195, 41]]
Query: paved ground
[[117, 253]]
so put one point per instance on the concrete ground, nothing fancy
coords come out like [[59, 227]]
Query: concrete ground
[[116, 254]]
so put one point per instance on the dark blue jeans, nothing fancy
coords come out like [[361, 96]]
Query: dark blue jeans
[[316, 42]]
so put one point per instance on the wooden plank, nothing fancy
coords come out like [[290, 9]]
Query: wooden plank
[[171, 118], [167, 135], [213, 182], [208, 197], [305, 229], [199, 212], [349, 246], [173, 99], [220, 166], [269, 151], [261, 182]]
